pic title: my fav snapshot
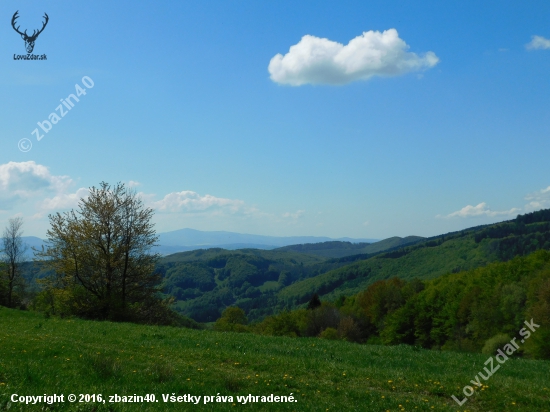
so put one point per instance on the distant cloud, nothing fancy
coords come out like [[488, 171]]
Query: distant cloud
[[538, 200], [296, 215], [317, 60], [32, 191], [33, 188], [64, 200], [26, 180], [480, 210], [191, 202], [538, 43]]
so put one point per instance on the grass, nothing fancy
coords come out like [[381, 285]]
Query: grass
[[65, 356]]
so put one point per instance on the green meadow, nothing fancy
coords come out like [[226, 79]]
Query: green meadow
[[40, 355]]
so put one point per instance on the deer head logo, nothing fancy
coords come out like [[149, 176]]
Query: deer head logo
[[29, 40]]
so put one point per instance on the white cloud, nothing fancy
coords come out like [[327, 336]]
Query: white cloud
[[33, 192], [480, 210], [25, 180], [29, 185], [317, 60], [296, 215], [192, 202], [538, 200], [538, 43], [64, 200]]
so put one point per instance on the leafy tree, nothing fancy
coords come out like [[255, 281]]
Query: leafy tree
[[286, 323], [329, 333], [13, 252], [320, 318], [233, 319], [350, 330], [496, 342], [101, 257], [234, 315], [382, 298], [284, 278], [538, 345], [314, 302]]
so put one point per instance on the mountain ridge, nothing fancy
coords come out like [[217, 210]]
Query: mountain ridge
[[339, 249], [184, 240], [187, 238]]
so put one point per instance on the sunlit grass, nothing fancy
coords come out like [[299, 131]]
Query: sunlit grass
[[64, 356]]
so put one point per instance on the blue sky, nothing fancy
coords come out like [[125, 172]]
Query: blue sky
[[389, 118]]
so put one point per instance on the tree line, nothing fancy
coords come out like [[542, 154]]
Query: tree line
[[472, 311]]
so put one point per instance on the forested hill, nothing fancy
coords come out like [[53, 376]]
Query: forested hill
[[205, 281], [452, 252], [336, 249], [263, 282]]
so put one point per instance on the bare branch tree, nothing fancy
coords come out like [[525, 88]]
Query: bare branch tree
[[13, 253]]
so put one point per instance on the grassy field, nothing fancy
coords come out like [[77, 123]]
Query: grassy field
[[70, 356]]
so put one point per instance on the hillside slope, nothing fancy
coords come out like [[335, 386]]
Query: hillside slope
[[433, 257], [72, 356], [205, 281], [335, 249], [263, 282]]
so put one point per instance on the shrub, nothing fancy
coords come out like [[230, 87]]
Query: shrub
[[349, 330], [538, 345], [494, 343], [329, 333], [325, 316], [284, 324], [234, 315], [314, 302], [233, 319]]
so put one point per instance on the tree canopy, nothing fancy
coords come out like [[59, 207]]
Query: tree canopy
[[101, 256]]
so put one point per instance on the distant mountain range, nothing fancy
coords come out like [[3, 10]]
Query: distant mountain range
[[190, 239], [184, 240], [32, 242]]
